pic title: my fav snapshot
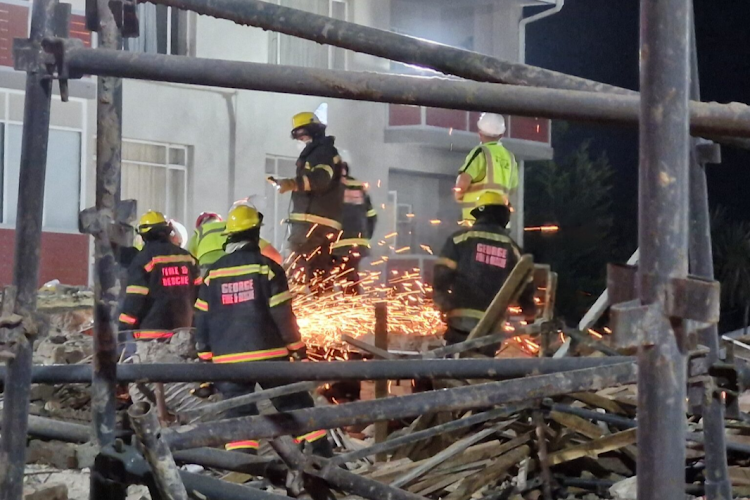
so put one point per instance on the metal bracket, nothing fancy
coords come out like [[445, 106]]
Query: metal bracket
[[634, 324], [48, 57], [120, 230], [708, 152]]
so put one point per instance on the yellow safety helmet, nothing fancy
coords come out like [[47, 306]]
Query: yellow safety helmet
[[242, 218], [150, 220], [492, 198], [304, 119]]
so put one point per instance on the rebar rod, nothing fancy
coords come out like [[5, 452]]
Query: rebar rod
[[365, 412], [28, 235], [284, 372], [728, 119], [148, 430]]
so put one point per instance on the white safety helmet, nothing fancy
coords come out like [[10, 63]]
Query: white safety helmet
[[491, 125]]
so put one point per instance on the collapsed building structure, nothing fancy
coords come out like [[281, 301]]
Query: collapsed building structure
[[659, 309]]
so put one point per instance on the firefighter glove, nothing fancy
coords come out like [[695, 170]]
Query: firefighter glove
[[299, 354], [205, 391], [286, 185]]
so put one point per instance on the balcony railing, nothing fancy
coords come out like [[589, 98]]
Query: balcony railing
[[519, 127]]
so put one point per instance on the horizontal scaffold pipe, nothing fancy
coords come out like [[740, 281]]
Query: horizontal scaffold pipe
[[387, 44], [364, 412], [284, 372], [706, 118]]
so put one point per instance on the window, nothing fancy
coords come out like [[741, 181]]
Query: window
[[163, 30], [277, 206], [62, 185], [293, 51], [156, 176]]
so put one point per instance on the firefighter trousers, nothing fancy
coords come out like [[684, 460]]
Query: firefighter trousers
[[297, 401]]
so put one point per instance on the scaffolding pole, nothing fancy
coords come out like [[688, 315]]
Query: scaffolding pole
[[706, 118], [44, 14], [364, 412], [106, 286], [284, 372], [717, 483], [663, 242]]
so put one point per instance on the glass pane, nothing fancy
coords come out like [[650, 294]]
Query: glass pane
[[270, 166], [177, 194], [287, 168], [270, 227], [149, 153], [177, 156], [159, 186], [162, 28], [63, 180], [11, 172]]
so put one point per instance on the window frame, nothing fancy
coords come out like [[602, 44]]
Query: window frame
[[82, 184], [167, 166], [278, 237], [330, 49]]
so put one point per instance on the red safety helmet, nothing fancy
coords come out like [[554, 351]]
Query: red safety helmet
[[205, 216]]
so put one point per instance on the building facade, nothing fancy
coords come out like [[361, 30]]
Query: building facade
[[189, 149]]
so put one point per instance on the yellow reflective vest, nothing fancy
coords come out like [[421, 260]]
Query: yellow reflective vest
[[207, 242], [501, 178]]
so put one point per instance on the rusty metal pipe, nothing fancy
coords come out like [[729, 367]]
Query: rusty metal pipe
[[462, 398], [663, 242], [284, 372], [166, 475], [33, 167], [707, 118]]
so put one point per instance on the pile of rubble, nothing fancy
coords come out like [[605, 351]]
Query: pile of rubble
[[573, 446]]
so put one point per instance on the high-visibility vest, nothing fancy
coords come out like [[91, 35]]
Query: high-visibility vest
[[207, 243], [501, 176]]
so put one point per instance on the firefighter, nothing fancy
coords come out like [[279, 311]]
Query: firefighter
[[160, 285], [358, 225], [489, 167], [472, 267], [245, 314], [317, 197], [207, 242]]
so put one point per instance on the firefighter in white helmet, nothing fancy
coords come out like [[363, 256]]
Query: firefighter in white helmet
[[489, 167]]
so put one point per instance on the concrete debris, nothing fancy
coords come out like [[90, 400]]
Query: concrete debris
[[61, 455], [625, 489], [46, 492]]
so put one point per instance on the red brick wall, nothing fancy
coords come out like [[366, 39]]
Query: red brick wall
[[14, 23], [64, 257]]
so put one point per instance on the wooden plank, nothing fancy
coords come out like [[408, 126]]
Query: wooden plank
[[593, 449], [599, 401], [496, 470], [577, 424], [444, 455], [432, 484]]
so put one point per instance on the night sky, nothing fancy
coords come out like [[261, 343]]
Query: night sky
[[599, 40]]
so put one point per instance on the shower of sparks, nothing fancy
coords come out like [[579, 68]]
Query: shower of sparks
[[324, 316]]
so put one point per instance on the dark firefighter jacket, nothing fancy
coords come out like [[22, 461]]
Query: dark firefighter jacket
[[320, 194], [471, 269], [358, 219], [160, 292], [245, 312]]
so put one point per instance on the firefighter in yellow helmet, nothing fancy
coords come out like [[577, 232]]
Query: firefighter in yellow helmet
[[208, 240], [160, 284], [472, 267], [244, 314], [489, 167], [317, 197]]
